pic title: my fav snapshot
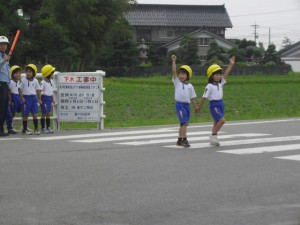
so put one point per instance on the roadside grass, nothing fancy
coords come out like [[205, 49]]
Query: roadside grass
[[147, 101]]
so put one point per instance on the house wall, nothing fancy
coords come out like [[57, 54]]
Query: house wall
[[202, 49], [154, 34], [294, 62]]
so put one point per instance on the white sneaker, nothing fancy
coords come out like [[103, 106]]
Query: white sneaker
[[21, 128], [26, 132], [44, 131], [37, 132], [50, 131], [214, 140]]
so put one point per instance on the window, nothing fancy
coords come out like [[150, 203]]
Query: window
[[205, 41], [166, 33], [143, 34]]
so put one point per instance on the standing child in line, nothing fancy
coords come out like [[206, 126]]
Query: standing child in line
[[46, 100], [214, 93], [15, 103], [184, 94], [29, 89]]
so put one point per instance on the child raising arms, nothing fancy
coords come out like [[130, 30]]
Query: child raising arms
[[184, 94], [214, 93]]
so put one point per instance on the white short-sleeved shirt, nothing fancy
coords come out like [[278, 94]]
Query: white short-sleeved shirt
[[14, 87], [47, 87], [29, 87], [214, 91], [184, 92]]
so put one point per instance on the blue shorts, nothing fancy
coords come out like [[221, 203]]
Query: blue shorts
[[183, 112], [216, 109], [30, 106], [16, 103], [46, 105]]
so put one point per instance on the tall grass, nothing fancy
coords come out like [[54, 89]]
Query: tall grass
[[150, 101]]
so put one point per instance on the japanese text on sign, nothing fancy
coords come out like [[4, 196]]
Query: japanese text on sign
[[79, 97]]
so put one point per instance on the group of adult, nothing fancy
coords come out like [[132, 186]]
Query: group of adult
[[4, 82]]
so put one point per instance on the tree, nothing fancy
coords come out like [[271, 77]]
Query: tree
[[243, 44], [10, 21], [247, 51], [153, 56], [9, 18], [270, 57], [55, 31], [119, 48], [215, 54], [286, 42], [57, 48], [88, 21], [187, 53]]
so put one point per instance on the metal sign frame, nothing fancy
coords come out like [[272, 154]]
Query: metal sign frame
[[79, 97]]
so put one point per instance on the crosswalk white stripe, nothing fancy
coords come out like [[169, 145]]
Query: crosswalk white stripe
[[138, 137], [290, 157], [276, 148], [249, 123], [77, 136], [148, 142], [244, 142]]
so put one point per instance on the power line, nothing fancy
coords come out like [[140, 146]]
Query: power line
[[264, 13]]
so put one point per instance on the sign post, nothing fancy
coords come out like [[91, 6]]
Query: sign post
[[80, 97]]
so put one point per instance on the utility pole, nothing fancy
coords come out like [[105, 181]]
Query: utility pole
[[269, 36], [255, 31]]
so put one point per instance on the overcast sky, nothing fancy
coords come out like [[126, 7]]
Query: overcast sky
[[281, 17]]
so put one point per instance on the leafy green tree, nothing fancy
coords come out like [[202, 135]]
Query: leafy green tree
[[54, 48], [187, 53], [270, 57], [247, 50], [153, 56], [239, 55], [88, 21], [53, 31], [119, 49], [216, 54], [244, 43], [10, 21]]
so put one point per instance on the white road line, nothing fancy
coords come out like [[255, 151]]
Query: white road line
[[10, 139], [290, 157], [77, 136], [158, 141], [249, 123], [276, 148], [138, 137], [159, 130], [243, 142]]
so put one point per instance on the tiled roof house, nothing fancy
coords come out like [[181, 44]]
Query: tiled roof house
[[291, 55], [163, 24]]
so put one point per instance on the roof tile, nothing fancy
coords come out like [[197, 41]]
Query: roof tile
[[179, 15]]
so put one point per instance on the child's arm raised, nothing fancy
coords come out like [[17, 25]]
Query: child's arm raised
[[174, 72], [227, 71]]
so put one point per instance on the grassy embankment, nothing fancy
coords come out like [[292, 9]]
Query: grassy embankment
[[150, 100]]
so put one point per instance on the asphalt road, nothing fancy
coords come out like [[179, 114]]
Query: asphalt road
[[137, 176]]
